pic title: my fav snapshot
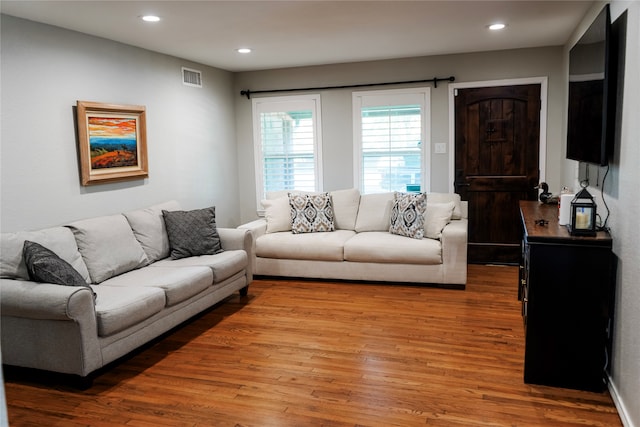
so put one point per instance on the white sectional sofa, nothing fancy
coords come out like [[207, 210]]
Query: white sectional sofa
[[361, 248], [129, 291]]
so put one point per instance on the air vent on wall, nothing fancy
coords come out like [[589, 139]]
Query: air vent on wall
[[191, 77]]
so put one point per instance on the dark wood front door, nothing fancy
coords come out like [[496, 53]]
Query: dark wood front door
[[497, 135]]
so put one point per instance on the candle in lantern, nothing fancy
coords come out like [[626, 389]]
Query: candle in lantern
[[582, 219]]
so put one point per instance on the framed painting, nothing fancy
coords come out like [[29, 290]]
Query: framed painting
[[112, 142]]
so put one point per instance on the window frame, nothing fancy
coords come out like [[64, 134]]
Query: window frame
[[371, 98], [282, 104]]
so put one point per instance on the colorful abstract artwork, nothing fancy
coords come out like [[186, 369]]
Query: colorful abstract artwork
[[112, 142]]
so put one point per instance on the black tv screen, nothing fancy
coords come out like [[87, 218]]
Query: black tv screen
[[591, 112]]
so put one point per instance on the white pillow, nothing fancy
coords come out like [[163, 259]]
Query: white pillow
[[278, 214], [108, 246], [374, 213], [437, 216], [272, 195], [446, 198]]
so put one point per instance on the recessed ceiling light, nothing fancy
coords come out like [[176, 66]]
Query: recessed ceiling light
[[243, 50], [150, 18], [496, 27]]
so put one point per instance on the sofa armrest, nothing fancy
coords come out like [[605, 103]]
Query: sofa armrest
[[235, 239], [454, 251], [21, 298], [257, 227], [239, 239], [50, 327]]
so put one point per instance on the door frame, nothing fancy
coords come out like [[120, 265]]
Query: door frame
[[542, 81]]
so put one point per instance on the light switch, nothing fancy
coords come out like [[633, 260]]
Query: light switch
[[441, 147]]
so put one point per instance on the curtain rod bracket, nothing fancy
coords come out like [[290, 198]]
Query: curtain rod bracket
[[247, 93]]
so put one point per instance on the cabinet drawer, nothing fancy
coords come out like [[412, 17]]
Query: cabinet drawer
[[523, 288]]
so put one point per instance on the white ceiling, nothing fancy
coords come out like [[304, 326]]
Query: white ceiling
[[309, 32]]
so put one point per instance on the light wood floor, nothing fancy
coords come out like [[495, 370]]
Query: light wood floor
[[307, 353]]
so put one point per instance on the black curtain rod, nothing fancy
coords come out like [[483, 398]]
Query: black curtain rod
[[434, 80]]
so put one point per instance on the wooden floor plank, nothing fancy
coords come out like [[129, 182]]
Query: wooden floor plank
[[297, 353]]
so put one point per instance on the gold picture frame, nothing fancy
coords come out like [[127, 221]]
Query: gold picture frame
[[112, 142]]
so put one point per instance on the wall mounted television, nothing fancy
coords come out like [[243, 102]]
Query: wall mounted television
[[592, 93]]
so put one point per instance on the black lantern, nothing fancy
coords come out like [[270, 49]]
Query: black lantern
[[583, 215]]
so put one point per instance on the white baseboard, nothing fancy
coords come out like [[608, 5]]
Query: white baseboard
[[622, 410]]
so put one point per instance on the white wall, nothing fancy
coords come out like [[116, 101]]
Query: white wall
[[621, 192], [190, 131], [337, 131]]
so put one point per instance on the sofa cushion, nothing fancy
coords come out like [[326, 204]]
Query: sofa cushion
[[311, 213], [149, 228], [118, 308], [345, 208], [374, 213], [437, 216], [407, 214], [312, 246], [45, 266], [446, 198], [277, 212], [192, 233], [108, 246], [224, 264], [178, 284], [58, 239], [384, 247]]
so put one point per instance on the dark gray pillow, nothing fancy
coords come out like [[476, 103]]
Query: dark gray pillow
[[43, 265], [192, 233]]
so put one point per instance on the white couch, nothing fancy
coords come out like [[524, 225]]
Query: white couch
[[140, 291], [361, 248]]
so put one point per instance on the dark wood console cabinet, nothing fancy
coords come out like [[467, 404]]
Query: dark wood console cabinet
[[565, 288]]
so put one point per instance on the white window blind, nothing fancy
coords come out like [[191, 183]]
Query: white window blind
[[287, 144], [390, 131]]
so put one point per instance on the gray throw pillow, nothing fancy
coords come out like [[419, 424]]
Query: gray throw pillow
[[192, 233], [44, 266]]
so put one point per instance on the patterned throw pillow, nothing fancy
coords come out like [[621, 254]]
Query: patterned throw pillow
[[311, 213], [192, 233], [45, 266], [407, 214]]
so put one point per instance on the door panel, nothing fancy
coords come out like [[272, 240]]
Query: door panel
[[497, 145]]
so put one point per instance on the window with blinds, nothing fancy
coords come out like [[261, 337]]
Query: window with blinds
[[287, 144], [390, 129]]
